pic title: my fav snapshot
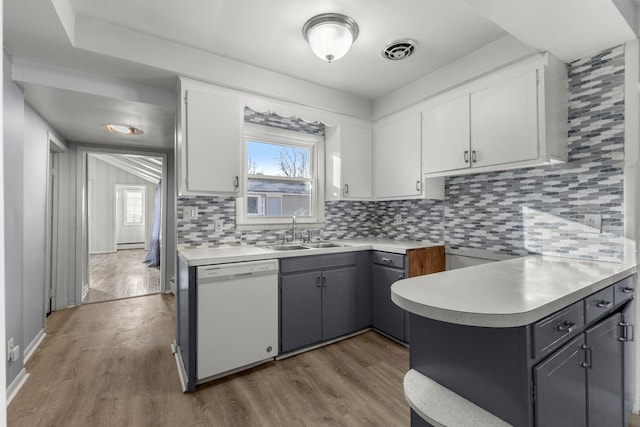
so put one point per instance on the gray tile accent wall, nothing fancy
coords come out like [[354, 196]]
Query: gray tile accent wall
[[541, 210], [289, 123], [515, 212]]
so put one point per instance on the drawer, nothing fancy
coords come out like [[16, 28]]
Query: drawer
[[624, 290], [389, 259], [556, 329], [316, 262], [598, 304]]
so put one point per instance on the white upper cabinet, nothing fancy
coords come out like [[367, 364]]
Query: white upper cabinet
[[504, 122], [349, 160], [397, 158], [445, 136], [514, 118], [209, 141]]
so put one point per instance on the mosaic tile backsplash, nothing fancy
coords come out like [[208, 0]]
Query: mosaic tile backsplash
[[541, 210], [517, 212]]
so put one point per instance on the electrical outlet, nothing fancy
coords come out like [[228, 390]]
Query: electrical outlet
[[190, 213], [219, 226], [398, 219], [13, 351], [593, 223]]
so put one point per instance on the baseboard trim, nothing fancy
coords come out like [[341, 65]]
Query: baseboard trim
[[181, 371], [33, 345], [322, 344], [16, 385]]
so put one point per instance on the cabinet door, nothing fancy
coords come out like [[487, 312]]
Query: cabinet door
[[628, 365], [213, 141], [338, 302], [386, 315], [445, 136], [504, 122], [560, 387], [357, 162], [605, 373], [300, 310], [397, 158]]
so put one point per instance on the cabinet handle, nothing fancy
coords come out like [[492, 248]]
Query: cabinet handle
[[418, 186], [604, 304], [387, 260], [625, 334], [628, 290], [318, 281], [473, 156], [236, 182], [566, 326], [324, 281], [346, 189], [401, 276], [466, 156], [587, 356]]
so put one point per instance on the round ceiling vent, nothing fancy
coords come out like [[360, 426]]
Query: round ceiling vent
[[399, 49]]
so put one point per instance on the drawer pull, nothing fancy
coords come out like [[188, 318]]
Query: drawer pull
[[628, 290], [387, 260], [604, 304], [401, 276], [566, 326]]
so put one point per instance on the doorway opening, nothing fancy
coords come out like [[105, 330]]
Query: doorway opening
[[124, 204]]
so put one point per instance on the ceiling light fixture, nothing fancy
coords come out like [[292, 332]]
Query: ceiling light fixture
[[123, 129], [330, 35]]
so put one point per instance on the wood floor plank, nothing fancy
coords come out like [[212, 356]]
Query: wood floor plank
[[110, 364]]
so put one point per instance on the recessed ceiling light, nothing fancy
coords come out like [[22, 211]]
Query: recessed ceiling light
[[123, 129]]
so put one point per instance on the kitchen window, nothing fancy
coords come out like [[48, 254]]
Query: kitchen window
[[282, 177]]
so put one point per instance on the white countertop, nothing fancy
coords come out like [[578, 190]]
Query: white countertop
[[509, 293], [222, 255]]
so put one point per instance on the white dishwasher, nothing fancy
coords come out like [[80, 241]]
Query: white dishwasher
[[237, 317]]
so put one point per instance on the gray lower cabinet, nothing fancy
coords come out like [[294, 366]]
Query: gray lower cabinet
[[561, 387], [573, 368], [583, 383], [316, 304], [386, 316], [300, 310]]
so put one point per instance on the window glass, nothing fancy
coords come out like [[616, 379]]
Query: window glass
[[133, 207]]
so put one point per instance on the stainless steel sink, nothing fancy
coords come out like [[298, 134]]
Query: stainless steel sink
[[292, 247], [301, 246], [323, 245]]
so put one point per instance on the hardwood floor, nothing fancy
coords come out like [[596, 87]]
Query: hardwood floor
[[121, 275], [110, 364]]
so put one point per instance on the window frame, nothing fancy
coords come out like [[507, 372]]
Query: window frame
[[267, 134], [140, 189]]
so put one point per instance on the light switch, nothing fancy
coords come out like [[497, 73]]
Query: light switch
[[190, 213]]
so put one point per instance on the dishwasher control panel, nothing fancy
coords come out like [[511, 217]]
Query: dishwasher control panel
[[212, 272]]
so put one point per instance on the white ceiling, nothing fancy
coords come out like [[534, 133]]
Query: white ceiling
[[150, 42]]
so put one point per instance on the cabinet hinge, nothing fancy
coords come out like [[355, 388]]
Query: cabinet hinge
[[185, 98]]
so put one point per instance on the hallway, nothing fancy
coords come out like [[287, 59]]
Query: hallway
[[121, 275]]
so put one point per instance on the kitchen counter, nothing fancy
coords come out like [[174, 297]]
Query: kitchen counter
[[222, 255], [507, 293]]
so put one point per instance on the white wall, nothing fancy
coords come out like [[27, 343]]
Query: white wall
[[102, 220], [13, 135], [35, 182], [3, 372]]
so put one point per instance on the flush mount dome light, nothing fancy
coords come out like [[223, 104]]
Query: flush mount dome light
[[123, 129], [330, 35]]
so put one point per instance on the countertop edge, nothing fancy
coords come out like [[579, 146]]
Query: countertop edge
[[398, 247], [507, 320]]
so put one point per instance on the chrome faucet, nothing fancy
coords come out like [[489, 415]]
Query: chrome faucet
[[293, 229]]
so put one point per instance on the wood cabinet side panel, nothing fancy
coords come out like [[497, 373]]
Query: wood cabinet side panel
[[426, 260]]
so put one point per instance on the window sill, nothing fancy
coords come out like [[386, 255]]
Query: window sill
[[280, 226]]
